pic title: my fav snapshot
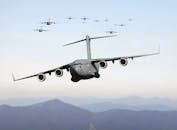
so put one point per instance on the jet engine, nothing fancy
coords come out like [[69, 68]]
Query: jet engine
[[123, 62], [41, 77], [59, 72], [103, 64]]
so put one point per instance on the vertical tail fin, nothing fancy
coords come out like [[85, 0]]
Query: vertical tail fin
[[88, 40], [13, 77]]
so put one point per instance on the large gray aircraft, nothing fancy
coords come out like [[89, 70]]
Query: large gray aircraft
[[111, 32], [82, 69], [40, 29], [49, 22]]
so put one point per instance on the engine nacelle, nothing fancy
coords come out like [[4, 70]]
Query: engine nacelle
[[41, 77], [59, 72], [123, 62], [103, 64]]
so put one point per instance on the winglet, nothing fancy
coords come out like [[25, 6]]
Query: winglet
[[13, 77]]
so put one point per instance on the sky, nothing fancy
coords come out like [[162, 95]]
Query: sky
[[25, 52]]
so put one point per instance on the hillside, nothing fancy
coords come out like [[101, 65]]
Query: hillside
[[57, 115]]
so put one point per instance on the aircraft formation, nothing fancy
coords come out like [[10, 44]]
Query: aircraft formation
[[40, 29], [47, 23], [83, 20], [83, 69]]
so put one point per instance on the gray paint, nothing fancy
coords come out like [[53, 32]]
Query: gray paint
[[88, 47], [86, 68]]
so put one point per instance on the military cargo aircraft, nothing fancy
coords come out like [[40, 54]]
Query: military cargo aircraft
[[70, 18], [84, 18], [82, 69], [111, 32], [40, 29], [49, 22]]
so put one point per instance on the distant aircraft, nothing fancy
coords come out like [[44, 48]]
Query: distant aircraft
[[84, 18], [96, 20], [106, 20], [130, 19], [70, 18], [82, 69], [121, 25], [49, 22], [111, 32], [40, 29]]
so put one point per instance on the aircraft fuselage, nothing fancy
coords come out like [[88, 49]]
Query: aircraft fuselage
[[83, 69], [48, 23]]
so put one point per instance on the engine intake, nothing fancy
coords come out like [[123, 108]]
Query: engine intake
[[123, 62], [41, 77], [59, 72], [103, 64]]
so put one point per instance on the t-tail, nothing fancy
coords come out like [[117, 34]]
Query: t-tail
[[88, 41]]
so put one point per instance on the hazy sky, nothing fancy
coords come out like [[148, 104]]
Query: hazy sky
[[25, 52]]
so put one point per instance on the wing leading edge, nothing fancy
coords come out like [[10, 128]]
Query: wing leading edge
[[123, 57], [45, 72]]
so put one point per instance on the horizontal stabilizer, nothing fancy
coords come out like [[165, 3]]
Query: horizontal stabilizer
[[74, 42], [103, 37], [89, 38]]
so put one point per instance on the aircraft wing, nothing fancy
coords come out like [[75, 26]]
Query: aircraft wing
[[45, 72], [123, 57]]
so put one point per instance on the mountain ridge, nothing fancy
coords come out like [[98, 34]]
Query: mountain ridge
[[58, 115], [100, 104]]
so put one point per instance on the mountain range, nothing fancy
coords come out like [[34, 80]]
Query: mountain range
[[99, 105], [58, 115]]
